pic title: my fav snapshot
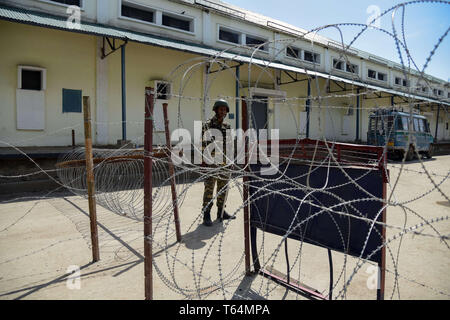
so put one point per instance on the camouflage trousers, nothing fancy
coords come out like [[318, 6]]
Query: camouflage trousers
[[222, 181]]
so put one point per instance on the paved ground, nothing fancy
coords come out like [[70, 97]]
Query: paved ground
[[41, 239]]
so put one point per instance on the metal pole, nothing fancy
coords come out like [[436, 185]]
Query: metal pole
[[172, 175], [90, 178], [124, 96], [245, 193], [330, 263], [382, 262], [308, 107], [148, 151], [73, 138], [357, 115], [237, 97], [437, 124]]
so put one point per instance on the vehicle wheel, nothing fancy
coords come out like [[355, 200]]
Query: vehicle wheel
[[410, 154], [429, 153]]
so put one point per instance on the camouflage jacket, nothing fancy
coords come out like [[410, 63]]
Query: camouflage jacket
[[213, 123]]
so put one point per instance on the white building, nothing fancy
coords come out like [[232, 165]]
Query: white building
[[120, 47]]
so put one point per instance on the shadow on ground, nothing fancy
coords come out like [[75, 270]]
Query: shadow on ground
[[196, 239]]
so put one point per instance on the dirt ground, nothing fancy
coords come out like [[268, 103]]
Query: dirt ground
[[43, 240]]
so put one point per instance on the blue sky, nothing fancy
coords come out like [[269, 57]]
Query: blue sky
[[425, 23]]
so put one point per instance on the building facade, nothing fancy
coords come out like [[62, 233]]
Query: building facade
[[191, 52]]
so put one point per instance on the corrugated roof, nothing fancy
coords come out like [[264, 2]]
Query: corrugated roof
[[56, 22]]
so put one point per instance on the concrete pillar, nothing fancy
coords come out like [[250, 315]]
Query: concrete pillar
[[208, 31], [363, 71], [124, 95], [358, 107], [102, 11], [101, 101], [237, 97], [327, 61], [308, 107], [437, 124]]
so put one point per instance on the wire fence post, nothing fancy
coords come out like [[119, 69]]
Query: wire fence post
[[90, 178], [172, 174], [245, 192], [148, 153]]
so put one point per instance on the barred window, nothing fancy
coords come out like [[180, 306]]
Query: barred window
[[293, 52], [68, 2], [311, 57], [256, 42], [229, 36], [177, 22], [134, 12]]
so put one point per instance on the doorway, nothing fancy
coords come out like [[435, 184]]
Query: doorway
[[265, 115], [258, 116]]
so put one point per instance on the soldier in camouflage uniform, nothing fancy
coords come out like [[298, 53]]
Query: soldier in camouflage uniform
[[221, 109]]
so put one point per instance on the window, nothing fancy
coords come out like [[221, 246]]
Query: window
[[68, 2], [229, 36], [255, 42], [138, 13], [416, 124], [293, 52], [390, 123], [311, 57], [405, 122], [303, 54], [382, 76], [401, 82], [177, 22], [31, 78], [421, 125], [424, 89], [163, 90], [237, 37], [338, 64], [345, 66], [398, 124], [376, 75], [438, 92], [352, 68], [145, 14]]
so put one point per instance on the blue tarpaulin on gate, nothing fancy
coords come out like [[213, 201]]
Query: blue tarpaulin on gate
[[317, 204]]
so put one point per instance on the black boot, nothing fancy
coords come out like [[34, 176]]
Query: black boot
[[207, 217], [225, 215]]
